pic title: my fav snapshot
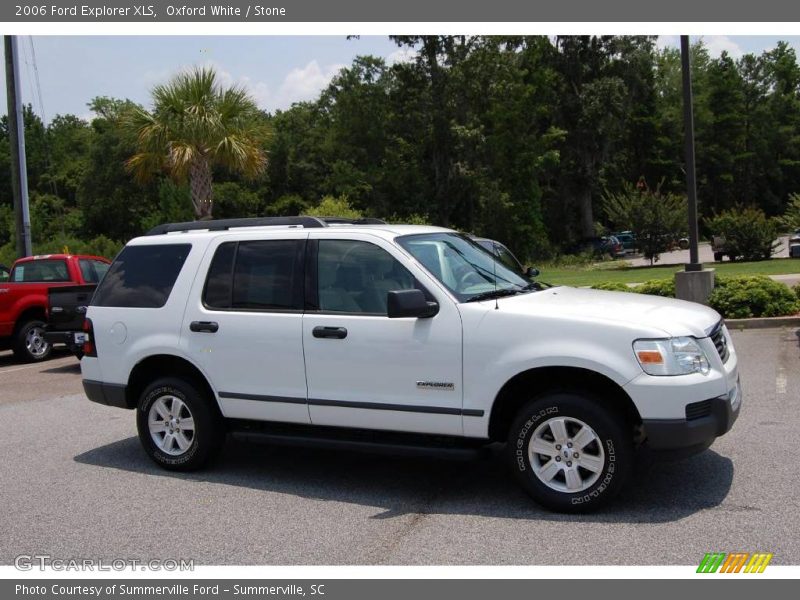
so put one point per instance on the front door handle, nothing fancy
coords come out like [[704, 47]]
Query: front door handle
[[206, 326], [336, 333]]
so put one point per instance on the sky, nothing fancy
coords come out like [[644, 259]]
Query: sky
[[277, 70]]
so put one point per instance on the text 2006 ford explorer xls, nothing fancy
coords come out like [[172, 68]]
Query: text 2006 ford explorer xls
[[402, 334]]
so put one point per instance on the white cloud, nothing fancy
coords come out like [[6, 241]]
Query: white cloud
[[717, 44], [302, 84], [298, 85], [402, 55], [668, 41]]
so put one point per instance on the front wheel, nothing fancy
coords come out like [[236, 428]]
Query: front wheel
[[569, 453], [177, 426], [30, 345]]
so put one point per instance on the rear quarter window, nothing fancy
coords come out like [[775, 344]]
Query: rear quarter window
[[93, 270], [142, 276]]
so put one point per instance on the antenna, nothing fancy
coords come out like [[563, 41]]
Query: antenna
[[494, 273]]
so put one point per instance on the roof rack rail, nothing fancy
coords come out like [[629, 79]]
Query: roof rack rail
[[223, 224], [346, 221]]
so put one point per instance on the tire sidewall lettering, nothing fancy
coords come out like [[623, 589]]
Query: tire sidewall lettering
[[605, 482], [521, 443]]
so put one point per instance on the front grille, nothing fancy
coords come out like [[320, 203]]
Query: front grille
[[718, 337], [696, 410]]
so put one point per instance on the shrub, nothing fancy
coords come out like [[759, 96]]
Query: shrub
[[753, 296], [412, 219], [612, 286], [330, 206], [748, 233], [570, 261], [286, 205], [797, 290], [658, 287]]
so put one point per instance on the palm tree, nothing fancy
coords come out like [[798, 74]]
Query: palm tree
[[195, 125]]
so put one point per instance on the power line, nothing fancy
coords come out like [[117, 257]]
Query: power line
[[36, 78]]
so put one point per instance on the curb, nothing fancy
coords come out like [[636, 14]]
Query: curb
[[763, 322]]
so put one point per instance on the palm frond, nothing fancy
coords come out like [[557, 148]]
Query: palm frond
[[194, 118]]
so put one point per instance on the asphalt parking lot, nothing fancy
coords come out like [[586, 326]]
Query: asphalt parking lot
[[74, 483]]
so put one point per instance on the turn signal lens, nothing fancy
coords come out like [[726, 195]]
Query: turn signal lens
[[650, 357]]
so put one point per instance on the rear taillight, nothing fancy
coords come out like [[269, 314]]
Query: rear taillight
[[89, 345]]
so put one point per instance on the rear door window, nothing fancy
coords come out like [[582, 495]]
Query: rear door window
[[256, 275], [142, 276]]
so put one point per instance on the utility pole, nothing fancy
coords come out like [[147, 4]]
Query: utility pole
[[16, 132], [694, 283]]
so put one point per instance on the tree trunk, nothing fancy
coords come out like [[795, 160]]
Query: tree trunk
[[585, 207], [200, 185]]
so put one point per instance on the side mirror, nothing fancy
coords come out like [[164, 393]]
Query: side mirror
[[409, 303], [531, 272]]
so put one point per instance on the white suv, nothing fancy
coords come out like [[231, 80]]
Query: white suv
[[402, 335]]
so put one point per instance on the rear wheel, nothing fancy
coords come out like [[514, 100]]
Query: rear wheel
[[178, 427], [568, 452], [29, 343]]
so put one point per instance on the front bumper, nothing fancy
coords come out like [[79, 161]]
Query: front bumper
[[705, 422]]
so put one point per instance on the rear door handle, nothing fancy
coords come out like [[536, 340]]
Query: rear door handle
[[337, 333], [206, 326]]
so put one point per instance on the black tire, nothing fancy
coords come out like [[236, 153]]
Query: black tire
[[612, 435], [208, 434], [42, 348]]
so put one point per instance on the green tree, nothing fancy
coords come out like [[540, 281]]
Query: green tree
[[195, 125], [790, 220], [657, 218], [112, 203]]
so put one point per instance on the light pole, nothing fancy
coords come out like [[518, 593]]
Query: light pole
[[693, 283], [16, 134], [694, 263]]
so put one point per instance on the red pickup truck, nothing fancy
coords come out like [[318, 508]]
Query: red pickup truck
[[24, 298]]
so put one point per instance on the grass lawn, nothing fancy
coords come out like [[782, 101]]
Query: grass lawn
[[612, 271]]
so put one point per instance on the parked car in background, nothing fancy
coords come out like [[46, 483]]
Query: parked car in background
[[719, 248], [794, 244], [607, 245], [628, 241], [24, 298]]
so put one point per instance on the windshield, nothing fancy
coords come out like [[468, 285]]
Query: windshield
[[463, 267]]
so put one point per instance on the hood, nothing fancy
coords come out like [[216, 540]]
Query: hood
[[674, 317]]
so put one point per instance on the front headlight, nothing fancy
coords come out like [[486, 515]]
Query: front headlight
[[673, 356]]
